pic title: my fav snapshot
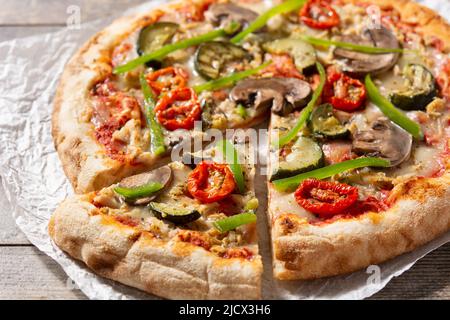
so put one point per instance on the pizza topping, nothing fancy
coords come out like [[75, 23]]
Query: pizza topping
[[237, 253], [369, 49], [319, 14], [261, 21], [211, 182], [232, 159], [174, 213], [182, 44], [337, 151], [363, 63], [370, 204], [289, 184], [419, 91], [167, 79], [230, 80], [194, 10], [325, 199], [224, 13], [343, 92], [302, 52], [282, 66], [382, 138], [306, 112], [302, 156], [235, 221], [195, 238], [281, 95], [324, 123], [218, 58], [111, 113], [155, 36], [391, 111], [178, 109], [142, 188], [157, 145]]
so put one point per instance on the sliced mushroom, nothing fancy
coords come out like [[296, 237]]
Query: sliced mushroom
[[223, 13], [382, 138], [361, 63], [282, 95], [162, 175]]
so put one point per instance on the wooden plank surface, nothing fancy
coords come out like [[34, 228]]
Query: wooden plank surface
[[26, 273], [29, 274]]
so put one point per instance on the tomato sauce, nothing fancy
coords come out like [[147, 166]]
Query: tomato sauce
[[241, 253]]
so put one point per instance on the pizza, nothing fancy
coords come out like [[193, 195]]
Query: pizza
[[356, 94]]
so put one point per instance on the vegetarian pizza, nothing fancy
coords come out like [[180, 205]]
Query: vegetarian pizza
[[357, 96]]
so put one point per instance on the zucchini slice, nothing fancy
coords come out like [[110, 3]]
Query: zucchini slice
[[304, 155], [420, 88], [324, 124], [174, 213], [213, 59], [302, 52], [155, 36]]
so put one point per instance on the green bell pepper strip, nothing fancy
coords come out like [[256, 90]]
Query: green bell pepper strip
[[348, 45], [183, 44], [306, 112], [232, 159], [394, 114], [261, 21], [229, 80], [241, 111], [235, 221], [157, 146], [139, 192], [291, 183]]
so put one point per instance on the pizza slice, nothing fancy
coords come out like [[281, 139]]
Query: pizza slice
[[181, 231], [360, 175]]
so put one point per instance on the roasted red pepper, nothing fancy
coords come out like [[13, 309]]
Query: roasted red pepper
[[211, 182], [343, 92], [178, 109], [325, 199], [319, 14], [167, 79]]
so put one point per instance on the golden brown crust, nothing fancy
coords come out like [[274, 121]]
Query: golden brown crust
[[173, 269]]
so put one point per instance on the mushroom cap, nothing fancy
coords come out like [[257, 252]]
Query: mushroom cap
[[382, 138], [361, 63], [162, 175], [224, 13], [282, 95]]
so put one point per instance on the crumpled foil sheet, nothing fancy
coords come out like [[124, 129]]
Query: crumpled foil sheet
[[33, 183]]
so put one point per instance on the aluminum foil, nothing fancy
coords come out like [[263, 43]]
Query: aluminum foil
[[33, 183]]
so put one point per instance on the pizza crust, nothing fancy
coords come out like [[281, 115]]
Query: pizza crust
[[174, 270], [308, 251]]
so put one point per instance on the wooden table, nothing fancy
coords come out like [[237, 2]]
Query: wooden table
[[26, 273]]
